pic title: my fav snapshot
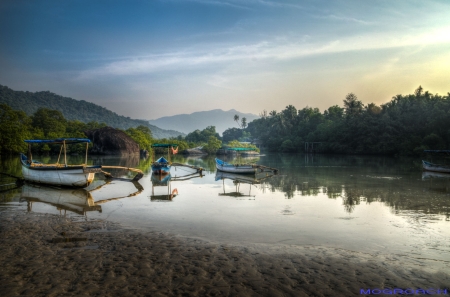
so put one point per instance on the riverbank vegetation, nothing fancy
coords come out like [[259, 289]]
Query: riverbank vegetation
[[16, 126], [406, 125]]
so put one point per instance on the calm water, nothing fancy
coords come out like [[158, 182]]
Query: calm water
[[367, 204]]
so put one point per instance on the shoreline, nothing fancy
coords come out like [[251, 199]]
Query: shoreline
[[51, 255]]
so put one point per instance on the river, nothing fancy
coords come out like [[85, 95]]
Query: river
[[375, 205]]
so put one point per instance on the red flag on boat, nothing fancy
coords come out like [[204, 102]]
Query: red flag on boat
[[174, 151]]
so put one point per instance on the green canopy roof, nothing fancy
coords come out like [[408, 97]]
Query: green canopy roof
[[241, 149], [58, 140], [164, 145]]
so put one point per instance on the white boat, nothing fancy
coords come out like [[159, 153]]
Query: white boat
[[435, 167], [235, 168], [57, 174]]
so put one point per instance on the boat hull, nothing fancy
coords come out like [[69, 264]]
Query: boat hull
[[242, 169], [161, 167], [160, 170], [70, 176], [435, 167]]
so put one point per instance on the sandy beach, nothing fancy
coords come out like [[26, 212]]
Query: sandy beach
[[50, 255]]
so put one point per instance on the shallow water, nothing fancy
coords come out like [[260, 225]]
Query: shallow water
[[373, 205]]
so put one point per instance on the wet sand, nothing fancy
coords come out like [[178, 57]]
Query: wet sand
[[49, 255]]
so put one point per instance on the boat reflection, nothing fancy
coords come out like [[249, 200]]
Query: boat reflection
[[426, 175], [162, 181], [79, 201], [239, 179], [166, 181]]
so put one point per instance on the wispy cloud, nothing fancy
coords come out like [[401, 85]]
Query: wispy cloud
[[345, 19], [277, 50], [245, 4], [234, 4]]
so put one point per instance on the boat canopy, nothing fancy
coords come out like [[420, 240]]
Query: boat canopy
[[240, 149], [437, 151], [58, 140], [164, 145]]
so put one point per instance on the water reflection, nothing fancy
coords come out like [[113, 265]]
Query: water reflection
[[79, 201], [237, 180], [177, 174], [398, 183], [162, 181]]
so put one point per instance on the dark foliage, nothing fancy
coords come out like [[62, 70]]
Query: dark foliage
[[72, 109], [202, 136], [405, 126]]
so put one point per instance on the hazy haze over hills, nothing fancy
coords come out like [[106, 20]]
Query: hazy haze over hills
[[186, 123], [72, 109]]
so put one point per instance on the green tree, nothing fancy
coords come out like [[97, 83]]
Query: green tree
[[202, 136], [142, 135], [213, 145], [52, 122], [231, 134], [352, 105], [14, 129], [243, 123]]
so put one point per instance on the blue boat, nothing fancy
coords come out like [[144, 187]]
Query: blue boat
[[162, 165], [235, 168]]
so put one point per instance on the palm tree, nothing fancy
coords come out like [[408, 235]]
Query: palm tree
[[244, 123], [236, 119]]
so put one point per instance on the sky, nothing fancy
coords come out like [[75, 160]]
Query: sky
[[151, 58]]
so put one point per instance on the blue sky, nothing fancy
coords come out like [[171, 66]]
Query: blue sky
[[147, 59]]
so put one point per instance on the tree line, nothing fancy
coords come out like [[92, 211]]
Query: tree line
[[406, 125], [16, 126]]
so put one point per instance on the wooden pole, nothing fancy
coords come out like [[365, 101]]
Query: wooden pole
[[29, 156], [87, 145], [65, 156], [59, 156]]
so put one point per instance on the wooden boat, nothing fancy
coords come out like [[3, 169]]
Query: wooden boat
[[241, 168], [235, 168], [58, 174], [435, 167], [162, 165]]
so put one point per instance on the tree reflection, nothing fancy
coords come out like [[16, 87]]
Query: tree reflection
[[397, 183], [351, 198]]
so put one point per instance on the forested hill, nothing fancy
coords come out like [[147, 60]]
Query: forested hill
[[72, 109], [221, 119]]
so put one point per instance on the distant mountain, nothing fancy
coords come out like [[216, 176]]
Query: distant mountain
[[187, 123], [73, 109]]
